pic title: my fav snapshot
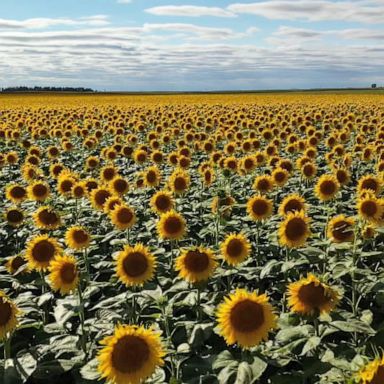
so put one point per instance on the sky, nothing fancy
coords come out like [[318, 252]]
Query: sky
[[200, 45]]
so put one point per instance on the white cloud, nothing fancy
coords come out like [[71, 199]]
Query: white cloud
[[41, 23], [363, 11], [189, 11]]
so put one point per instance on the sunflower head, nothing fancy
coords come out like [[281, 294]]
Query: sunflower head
[[259, 207], [135, 265], [161, 202], [41, 251], [263, 183], [196, 264], [119, 185], [123, 217], [16, 193], [8, 315], [245, 318], [111, 203], [235, 249], [79, 190], [14, 216], [340, 229], [294, 230], [309, 296], [130, 355], [77, 237], [179, 181], [373, 372], [171, 226], [369, 207], [369, 182], [64, 274], [327, 187], [280, 176], [99, 196], [292, 203], [46, 218], [14, 263]]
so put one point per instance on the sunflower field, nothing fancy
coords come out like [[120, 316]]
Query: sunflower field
[[199, 239]]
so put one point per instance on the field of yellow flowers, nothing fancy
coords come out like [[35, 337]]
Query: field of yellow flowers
[[199, 239]]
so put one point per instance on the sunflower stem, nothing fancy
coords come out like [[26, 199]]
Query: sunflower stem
[[7, 347], [45, 314], [82, 320], [198, 304], [86, 263]]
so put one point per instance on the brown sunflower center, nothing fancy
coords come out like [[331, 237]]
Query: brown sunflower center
[[80, 236], [48, 217], [120, 185], [369, 208], [308, 170], [370, 184], [130, 354], [68, 273], [293, 205], [263, 185], [247, 316], [17, 262], [260, 207], [101, 197], [296, 228], [5, 311], [18, 192], [342, 230], [328, 187], [43, 251], [180, 184], [341, 176], [313, 295], [235, 248], [163, 202], [378, 377], [196, 261], [151, 176], [14, 216], [66, 185], [124, 215], [280, 177], [40, 190], [78, 191], [172, 225], [109, 174], [135, 264]]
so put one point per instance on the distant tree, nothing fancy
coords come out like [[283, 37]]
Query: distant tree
[[45, 89], [374, 86]]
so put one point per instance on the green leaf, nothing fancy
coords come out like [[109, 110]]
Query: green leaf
[[311, 344]]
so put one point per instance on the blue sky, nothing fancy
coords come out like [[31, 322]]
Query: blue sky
[[145, 45]]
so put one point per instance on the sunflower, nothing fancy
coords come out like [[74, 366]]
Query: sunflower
[[41, 251], [372, 373], [369, 182], [340, 229], [77, 237], [223, 206], [135, 265], [309, 296], [327, 187], [235, 248], [38, 191], [263, 183], [342, 175], [179, 181], [131, 355], [294, 230], [259, 208], [196, 264], [161, 202], [119, 185], [171, 226], [16, 193], [79, 189], [369, 207], [108, 173], [65, 183], [14, 216], [111, 203], [280, 176], [14, 263], [152, 177], [46, 218], [8, 315], [308, 170], [292, 203], [99, 196], [64, 274], [123, 217], [245, 318]]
